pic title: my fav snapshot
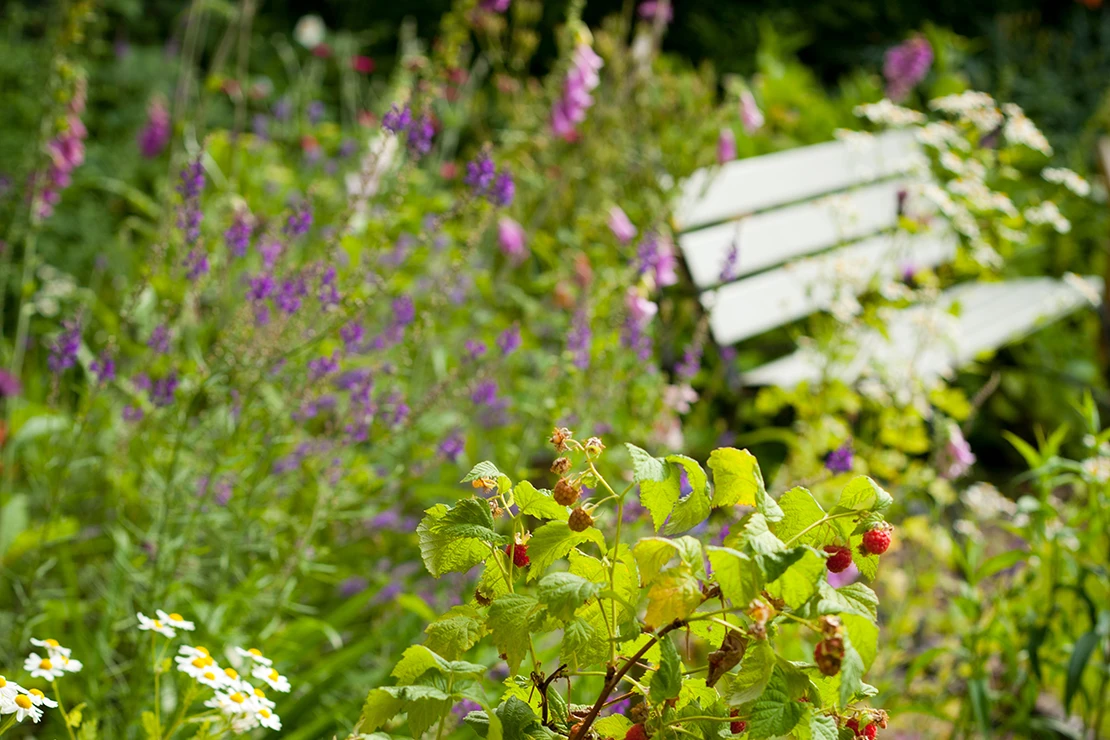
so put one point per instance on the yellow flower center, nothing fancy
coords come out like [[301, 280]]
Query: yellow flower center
[[260, 693], [237, 698], [37, 693], [177, 617], [231, 673], [255, 652], [52, 643], [210, 675], [264, 712], [273, 674], [158, 623], [46, 665], [23, 701], [200, 662], [3, 682], [202, 650]]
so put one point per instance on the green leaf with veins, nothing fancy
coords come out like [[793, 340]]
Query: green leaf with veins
[[554, 541], [538, 504]]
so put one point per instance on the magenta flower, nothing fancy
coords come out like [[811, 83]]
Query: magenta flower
[[657, 260], [750, 115], [620, 225], [9, 385], [582, 78], [726, 146], [840, 459], [156, 133], [510, 237], [956, 458], [905, 65], [649, 10]]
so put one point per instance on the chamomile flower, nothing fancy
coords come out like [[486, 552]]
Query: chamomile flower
[[52, 646], [194, 651], [43, 668], [40, 699], [212, 677], [8, 689], [232, 703], [195, 666], [155, 625], [69, 665], [268, 719], [255, 655], [260, 697], [276, 681], [22, 707], [176, 621]]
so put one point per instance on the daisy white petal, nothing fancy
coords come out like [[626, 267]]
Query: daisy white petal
[[24, 708], [52, 646], [176, 621], [276, 681], [155, 625], [255, 655], [40, 699], [43, 668]]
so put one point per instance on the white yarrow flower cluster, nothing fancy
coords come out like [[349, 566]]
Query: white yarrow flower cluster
[[1048, 213], [1069, 179], [1021, 130], [888, 113]]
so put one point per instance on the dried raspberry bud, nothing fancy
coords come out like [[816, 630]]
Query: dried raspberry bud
[[760, 612], [880, 717], [519, 553], [561, 466], [481, 598], [580, 520], [559, 438], [830, 625], [828, 655], [594, 446], [484, 483], [566, 493], [877, 540], [638, 713], [840, 558]]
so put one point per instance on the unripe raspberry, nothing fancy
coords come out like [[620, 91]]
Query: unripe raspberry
[[840, 558], [636, 732], [737, 726], [876, 541], [519, 553], [594, 446], [828, 655], [580, 520], [565, 493], [561, 466], [559, 438]]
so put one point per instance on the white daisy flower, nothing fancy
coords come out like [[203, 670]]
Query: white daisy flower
[[69, 665], [8, 689], [52, 646], [230, 678], [268, 719], [276, 681], [155, 625], [260, 697], [255, 655], [195, 666], [43, 668], [212, 677], [40, 699], [244, 723], [194, 651], [22, 707], [233, 703], [176, 621]]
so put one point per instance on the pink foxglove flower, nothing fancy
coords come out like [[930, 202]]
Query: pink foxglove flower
[[156, 134], [620, 225], [905, 65], [582, 78], [726, 146], [511, 238], [750, 115]]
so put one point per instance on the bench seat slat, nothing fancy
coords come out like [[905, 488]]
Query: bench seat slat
[[748, 185], [756, 304], [773, 237], [990, 315]]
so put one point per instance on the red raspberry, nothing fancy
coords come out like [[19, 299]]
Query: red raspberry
[[870, 732], [519, 554], [853, 725], [738, 726], [876, 541], [636, 732], [839, 558]]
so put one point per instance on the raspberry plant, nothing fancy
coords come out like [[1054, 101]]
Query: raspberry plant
[[686, 638]]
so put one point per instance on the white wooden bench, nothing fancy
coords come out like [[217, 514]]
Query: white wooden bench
[[803, 224]]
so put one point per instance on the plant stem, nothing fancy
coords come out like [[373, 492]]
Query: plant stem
[[189, 696], [62, 709], [157, 694], [823, 520]]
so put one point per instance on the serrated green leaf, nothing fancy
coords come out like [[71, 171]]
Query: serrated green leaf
[[863, 494], [484, 469], [615, 725], [822, 727], [754, 674], [415, 662], [555, 540], [652, 553], [516, 717], [800, 580], [865, 637], [736, 477], [674, 595], [564, 593], [510, 622], [538, 504], [444, 552], [799, 512], [660, 497], [757, 536], [774, 713], [582, 642], [645, 467], [667, 680], [855, 598], [736, 574], [454, 633], [851, 673]]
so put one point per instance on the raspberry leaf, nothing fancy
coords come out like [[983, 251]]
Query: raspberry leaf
[[652, 553], [537, 503], [736, 574], [667, 681], [455, 633], [755, 673], [801, 579], [674, 595], [511, 619], [564, 593], [800, 511], [555, 540], [447, 546], [736, 477], [774, 713]]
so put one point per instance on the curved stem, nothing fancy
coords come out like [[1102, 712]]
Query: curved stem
[[62, 709]]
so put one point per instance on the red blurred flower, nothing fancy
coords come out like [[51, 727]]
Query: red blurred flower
[[362, 64], [323, 51]]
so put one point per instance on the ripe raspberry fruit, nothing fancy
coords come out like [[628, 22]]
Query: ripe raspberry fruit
[[876, 541], [737, 726], [565, 493], [636, 732], [853, 725], [580, 520], [519, 554], [870, 732], [840, 558]]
